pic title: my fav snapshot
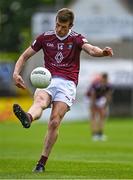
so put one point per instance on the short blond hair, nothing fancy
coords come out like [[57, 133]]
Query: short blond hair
[[65, 15]]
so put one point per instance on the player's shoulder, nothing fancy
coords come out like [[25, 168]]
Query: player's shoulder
[[75, 34], [78, 36], [46, 35], [49, 33], [96, 84]]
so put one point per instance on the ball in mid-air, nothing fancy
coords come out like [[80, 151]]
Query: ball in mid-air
[[40, 77]]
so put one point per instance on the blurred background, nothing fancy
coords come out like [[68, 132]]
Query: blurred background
[[103, 23]]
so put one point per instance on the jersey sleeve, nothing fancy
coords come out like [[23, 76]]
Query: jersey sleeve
[[110, 88], [37, 44], [81, 40], [90, 89]]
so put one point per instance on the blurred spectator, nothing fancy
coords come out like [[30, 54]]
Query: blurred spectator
[[99, 94], [128, 4]]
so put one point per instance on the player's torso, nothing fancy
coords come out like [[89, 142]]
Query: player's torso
[[101, 90], [61, 55], [59, 52]]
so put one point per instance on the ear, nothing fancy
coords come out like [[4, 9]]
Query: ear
[[71, 25]]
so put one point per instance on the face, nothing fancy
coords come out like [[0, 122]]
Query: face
[[104, 81], [62, 29]]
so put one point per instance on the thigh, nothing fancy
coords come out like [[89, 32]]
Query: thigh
[[59, 109], [102, 112], [42, 97], [94, 111]]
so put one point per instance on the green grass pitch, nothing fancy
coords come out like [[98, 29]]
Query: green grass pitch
[[74, 156]]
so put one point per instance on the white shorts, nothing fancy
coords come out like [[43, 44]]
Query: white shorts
[[101, 102], [62, 90]]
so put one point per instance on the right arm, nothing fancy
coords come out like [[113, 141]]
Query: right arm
[[96, 51], [19, 82], [108, 97], [93, 98]]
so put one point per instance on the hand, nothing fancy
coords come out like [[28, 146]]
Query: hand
[[19, 82], [107, 51]]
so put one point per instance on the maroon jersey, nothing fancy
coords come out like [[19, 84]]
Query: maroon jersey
[[99, 89], [61, 56]]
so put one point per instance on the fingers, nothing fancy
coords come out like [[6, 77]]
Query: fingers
[[107, 51], [22, 86], [110, 51], [19, 82]]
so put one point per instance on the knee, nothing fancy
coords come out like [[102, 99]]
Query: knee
[[39, 100], [54, 122]]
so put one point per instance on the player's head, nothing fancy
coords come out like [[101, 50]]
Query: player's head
[[104, 78], [64, 21]]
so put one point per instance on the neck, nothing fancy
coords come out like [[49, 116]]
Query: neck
[[64, 37]]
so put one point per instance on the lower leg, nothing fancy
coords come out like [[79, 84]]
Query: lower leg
[[35, 111], [41, 101], [58, 111], [93, 123], [50, 140], [101, 122]]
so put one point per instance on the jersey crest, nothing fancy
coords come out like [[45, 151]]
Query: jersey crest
[[59, 57]]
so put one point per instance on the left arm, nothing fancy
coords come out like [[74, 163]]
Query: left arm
[[96, 51], [109, 96]]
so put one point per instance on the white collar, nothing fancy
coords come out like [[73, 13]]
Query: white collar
[[62, 38]]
